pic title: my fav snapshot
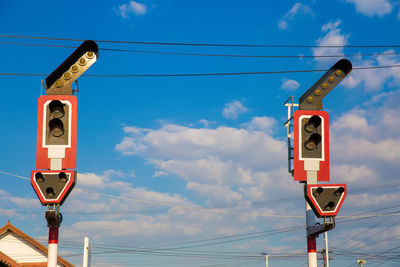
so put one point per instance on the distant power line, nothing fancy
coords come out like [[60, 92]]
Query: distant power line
[[203, 74], [199, 44], [209, 55], [221, 209]]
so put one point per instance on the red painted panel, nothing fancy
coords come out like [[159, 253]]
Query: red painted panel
[[42, 160], [313, 203], [65, 192], [299, 173]]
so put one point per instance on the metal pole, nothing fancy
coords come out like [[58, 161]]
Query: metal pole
[[53, 246], [326, 249], [266, 260], [311, 242], [86, 248]]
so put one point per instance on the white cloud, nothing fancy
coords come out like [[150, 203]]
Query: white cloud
[[348, 173], [142, 226], [233, 109], [372, 7], [372, 200], [132, 7], [370, 80], [216, 192], [333, 37], [242, 162], [265, 124], [205, 123], [283, 25], [296, 10], [367, 137], [373, 80], [290, 85], [90, 180], [249, 147]]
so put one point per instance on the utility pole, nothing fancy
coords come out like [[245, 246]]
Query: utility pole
[[361, 262], [266, 258], [86, 253], [326, 250]]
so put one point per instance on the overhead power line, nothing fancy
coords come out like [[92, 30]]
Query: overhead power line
[[210, 55], [219, 210], [198, 44], [203, 74]]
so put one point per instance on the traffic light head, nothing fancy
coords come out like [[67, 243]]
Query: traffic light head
[[311, 143], [59, 82], [312, 98], [53, 187], [325, 199], [57, 122], [311, 136], [56, 137]]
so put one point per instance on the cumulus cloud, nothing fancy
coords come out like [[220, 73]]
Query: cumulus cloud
[[132, 8], [290, 85], [365, 137], [333, 37], [372, 7], [247, 164], [233, 109], [265, 124], [373, 80], [353, 173], [224, 164], [296, 10], [250, 147], [215, 192], [370, 80]]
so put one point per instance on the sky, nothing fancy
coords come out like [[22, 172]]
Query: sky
[[192, 170]]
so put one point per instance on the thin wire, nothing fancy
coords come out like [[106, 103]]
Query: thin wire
[[203, 74], [356, 217], [18, 176], [198, 44], [210, 55]]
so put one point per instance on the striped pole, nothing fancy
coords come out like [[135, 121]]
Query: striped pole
[[311, 167], [53, 246]]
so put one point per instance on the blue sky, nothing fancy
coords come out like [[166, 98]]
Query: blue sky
[[171, 160]]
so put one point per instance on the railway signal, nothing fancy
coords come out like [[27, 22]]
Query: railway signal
[[325, 199], [53, 187], [54, 177]]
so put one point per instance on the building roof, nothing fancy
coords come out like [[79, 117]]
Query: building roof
[[11, 262]]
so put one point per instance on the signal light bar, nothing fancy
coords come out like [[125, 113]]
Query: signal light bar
[[59, 82], [312, 98]]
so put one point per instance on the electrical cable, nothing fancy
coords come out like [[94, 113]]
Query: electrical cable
[[203, 74], [199, 44], [210, 55], [354, 217]]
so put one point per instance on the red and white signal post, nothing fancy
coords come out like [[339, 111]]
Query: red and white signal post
[[55, 177], [311, 156]]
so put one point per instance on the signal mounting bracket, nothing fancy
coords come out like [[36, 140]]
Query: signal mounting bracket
[[289, 124], [53, 215], [315, 230]]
